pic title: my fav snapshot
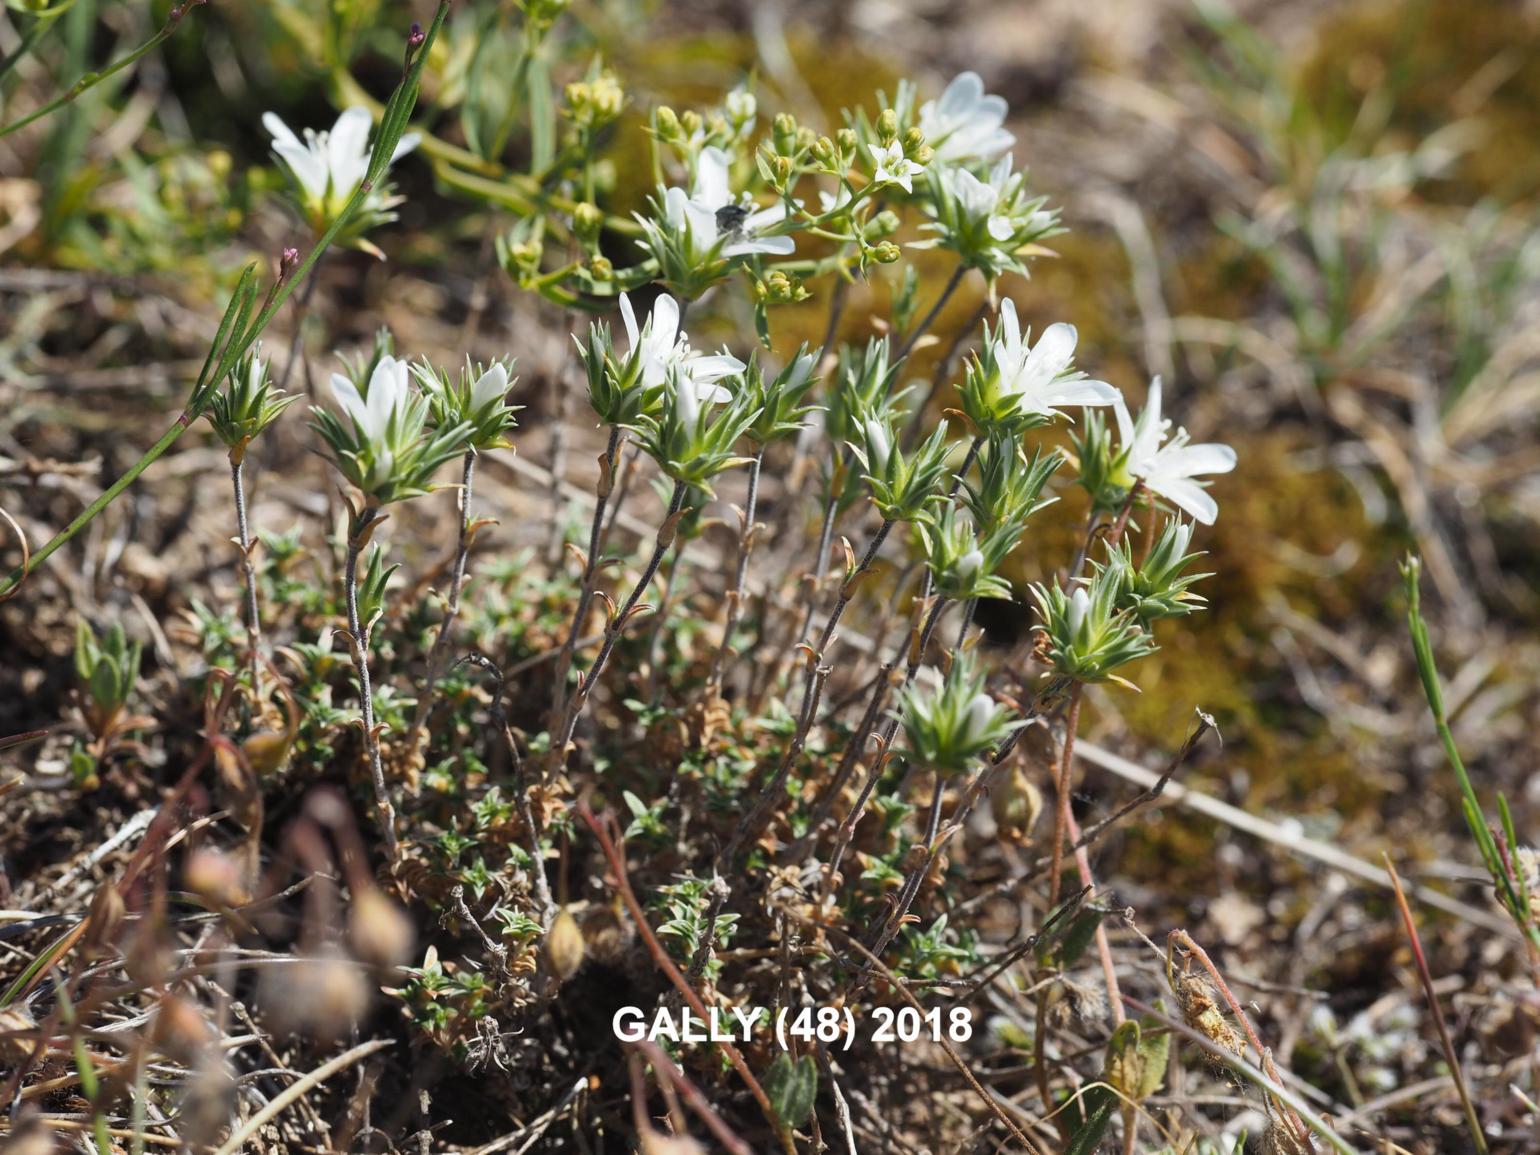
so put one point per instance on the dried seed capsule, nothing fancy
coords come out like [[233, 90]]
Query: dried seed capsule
[[564, 947]]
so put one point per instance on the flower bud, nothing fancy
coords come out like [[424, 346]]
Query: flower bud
[[923, 154], [805, 137], [380, 931], [887, 126], [846, 139], [266, 751], [321, 996], [823, 151], [783, 131], [601, 269], [587, 221], [886, 253], [884, 224], [215, 877], [780, 168], [913, 140], [564, 948], [690, 122], [665, 122], [288, 262]]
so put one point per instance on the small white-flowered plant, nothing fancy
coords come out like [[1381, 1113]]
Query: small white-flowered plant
[[477, 397], [966, 123], [893, 167], [950, 722], [1168, 467], [697, 233], [1016, 385], [384, 446], [660, 347], [988, 221], [326, 168]]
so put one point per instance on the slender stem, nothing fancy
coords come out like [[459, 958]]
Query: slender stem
[[617, 623], [933, 848], [737, 595], [297, 341], [248, 567], [91, 79], [452, 605], [397, 111], [857, 743], [1425, 976], [655, 637], [590, 566], [1062, 817], [929, 319], [358, 633], [749, 829], [33, 37]]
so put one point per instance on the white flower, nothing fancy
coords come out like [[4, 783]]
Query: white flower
[[489, 387], [966, 124], [893, 167], [878, 448], [372, 412], [662, 348], [1040, 377], [741, 107], [970, 563], [980, 716], [703, 211], [991, 200], [1077, 609], [329, 165], [1167, 468]]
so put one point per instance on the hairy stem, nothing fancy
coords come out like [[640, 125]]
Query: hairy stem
[[358, 633], [452, 605], [590, 566], [617, 623], [248, 568]]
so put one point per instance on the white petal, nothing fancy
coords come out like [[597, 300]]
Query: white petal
[[352, 403], [280, 132], [1083, 393], [965, 91], [308, 167], [1052, 354], [764, 218], [491, 386], [777, 246], [714, 367], [348, 149], [1187, 496], [665, 321], [406, 144], [628, 318], [711, 394], [1125, 423], [1193, 460], [711, 179]]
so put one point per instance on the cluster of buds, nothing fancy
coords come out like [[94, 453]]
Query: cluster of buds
[[964, 562], [1084, 634], [1157, 587], [383, 442], [950, 722], [247, 404], [902, 485], [594, 102]]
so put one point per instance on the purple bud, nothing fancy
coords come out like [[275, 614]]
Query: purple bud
[[416, 36], [287, 263]]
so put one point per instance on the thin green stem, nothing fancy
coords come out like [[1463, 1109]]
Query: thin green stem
[[33, 37], [242, 336], [248, 568], [91, 79], [913, 336]]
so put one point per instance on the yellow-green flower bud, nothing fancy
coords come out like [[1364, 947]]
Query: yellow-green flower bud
[[887, 126]]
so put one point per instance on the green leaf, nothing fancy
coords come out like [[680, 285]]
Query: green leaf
[[104, 683], [542, 114], [792, 1087], [1100, 1105]]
